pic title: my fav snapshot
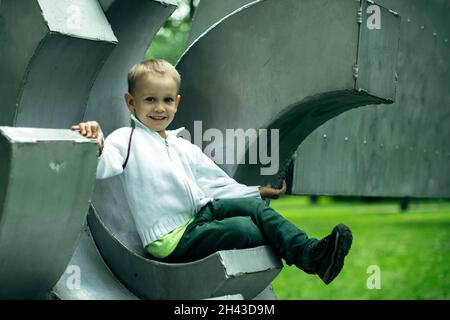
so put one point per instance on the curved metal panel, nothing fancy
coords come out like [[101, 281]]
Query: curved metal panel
[[50, 84], [96, 281], [258, 75], [222, 273], [46, 181], [401, 150], [210, 12], [22, 41]]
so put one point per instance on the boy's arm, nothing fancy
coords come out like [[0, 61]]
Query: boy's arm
[[111, 149], [111, 159], [216, 183]]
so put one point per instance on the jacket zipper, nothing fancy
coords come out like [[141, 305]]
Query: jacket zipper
[[191, 197]]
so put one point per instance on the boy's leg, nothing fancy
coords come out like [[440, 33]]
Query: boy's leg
[[247, 222], [289, 242], [243, 223], [205, 236], [324, 257]]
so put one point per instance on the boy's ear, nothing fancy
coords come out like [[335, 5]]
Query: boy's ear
[[129, 100], [177, 102]]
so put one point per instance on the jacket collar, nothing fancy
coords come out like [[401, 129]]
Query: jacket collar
[[143, 126]]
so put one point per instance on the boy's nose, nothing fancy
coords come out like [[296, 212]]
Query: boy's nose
[[159, 108]]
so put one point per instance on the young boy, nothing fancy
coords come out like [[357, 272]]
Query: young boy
[[185, 207]]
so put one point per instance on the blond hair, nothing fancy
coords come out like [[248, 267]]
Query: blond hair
[[152, 66]]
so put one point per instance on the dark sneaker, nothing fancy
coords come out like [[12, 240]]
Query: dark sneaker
[[329, 253]]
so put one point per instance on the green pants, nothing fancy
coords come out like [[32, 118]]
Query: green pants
[[242, 223]]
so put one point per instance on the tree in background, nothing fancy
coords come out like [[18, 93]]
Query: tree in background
[[171, 40]]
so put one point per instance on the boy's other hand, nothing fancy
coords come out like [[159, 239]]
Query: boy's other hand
[[268, 192], [91, 129]]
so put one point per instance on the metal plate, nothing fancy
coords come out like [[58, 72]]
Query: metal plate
[[46, 181], [377, 52], [397, 150]]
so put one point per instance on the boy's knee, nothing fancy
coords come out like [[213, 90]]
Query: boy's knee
[[251, 205], [239, 225], [244, 231], [254, 201]]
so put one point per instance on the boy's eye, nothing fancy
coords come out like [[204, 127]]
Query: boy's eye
[[168, 100], [150, 99]]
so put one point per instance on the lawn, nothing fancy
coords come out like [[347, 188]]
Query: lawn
[[412, 249]]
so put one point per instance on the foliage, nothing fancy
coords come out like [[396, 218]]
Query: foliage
[[171, 40]]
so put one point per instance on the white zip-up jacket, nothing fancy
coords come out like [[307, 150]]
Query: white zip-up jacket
[[166, 181]]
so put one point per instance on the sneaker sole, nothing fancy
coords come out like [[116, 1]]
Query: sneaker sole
[[342, 244]]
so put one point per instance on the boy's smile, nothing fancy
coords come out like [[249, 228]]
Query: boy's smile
[[154, 101]]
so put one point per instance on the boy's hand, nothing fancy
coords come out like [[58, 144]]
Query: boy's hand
[[268, 192], [91, 129]]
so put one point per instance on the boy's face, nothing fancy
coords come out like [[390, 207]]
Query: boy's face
[[155, 101]]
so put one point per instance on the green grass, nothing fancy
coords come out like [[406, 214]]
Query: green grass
[[412, 249]]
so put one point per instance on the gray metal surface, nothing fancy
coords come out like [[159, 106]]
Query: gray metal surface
[[275, 76], [393, 157], [246, 272], [96, 281], [46, 180], [50, 60], [210, 12], [397, 150], [375, 69], [228, 297], [266, 294]]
